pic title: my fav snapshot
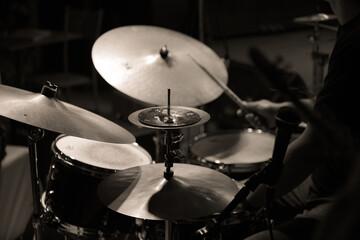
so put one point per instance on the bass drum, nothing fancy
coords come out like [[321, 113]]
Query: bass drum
[[236, 153], [70, 201]]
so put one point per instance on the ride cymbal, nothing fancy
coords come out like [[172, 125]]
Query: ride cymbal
[[158, 117], [52, 114], [143, 192], [144, 61]]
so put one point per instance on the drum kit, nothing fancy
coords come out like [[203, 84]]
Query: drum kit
[[100, 180]]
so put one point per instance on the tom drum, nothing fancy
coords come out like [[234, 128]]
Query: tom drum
[[234, 152], [78, 166]]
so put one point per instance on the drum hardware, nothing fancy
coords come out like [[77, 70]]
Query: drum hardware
[[157, 117], [43, 111], [141, 68], [172, 153], [153, 194], [319, 59], [170, 119], [35, 135], [51, 114]]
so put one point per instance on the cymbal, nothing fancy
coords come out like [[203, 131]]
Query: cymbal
[[158, 118], [52, 114], [319, 17], [143, 192], [145, 61]]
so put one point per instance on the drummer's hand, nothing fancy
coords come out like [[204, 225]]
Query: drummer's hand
[[261, 113]]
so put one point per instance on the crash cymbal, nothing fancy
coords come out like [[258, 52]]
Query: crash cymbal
[[319, 17], [144, 61], [52, 114], [143, 192], [158, 118]]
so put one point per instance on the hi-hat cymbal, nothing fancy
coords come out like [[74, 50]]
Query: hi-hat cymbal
[[143, 192], [319, 17], [52, 114], [158, 117], [145, 61]]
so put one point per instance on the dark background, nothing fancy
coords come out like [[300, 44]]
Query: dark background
[[221, 20], [229, 18]]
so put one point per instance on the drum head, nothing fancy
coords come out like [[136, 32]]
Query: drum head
[[101, 154], [243, 148]]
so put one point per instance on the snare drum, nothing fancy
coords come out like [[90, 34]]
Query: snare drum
[[78, 166], [234, 152]]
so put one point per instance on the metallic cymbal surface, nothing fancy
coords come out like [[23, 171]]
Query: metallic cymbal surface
[[180, 117], [143, 192], [52, 114], [320, 17], [129, 59], [160, 117]]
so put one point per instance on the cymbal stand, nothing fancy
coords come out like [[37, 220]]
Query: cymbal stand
[[34, 135], [170, 139], [170, 156], [319, 60], [172, 152]]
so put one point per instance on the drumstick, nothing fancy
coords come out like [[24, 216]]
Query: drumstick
[[232, 95], [226, 89]]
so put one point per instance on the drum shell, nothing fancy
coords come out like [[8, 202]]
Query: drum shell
[[71, 196]]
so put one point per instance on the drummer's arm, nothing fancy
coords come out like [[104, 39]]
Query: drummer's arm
[[267, 109], [302, 157]]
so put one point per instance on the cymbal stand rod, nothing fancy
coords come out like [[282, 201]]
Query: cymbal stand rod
[[319, 60], [172, 139], [201, 20], [168, 106], [34, 135], [169, 156], [168, 230]]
